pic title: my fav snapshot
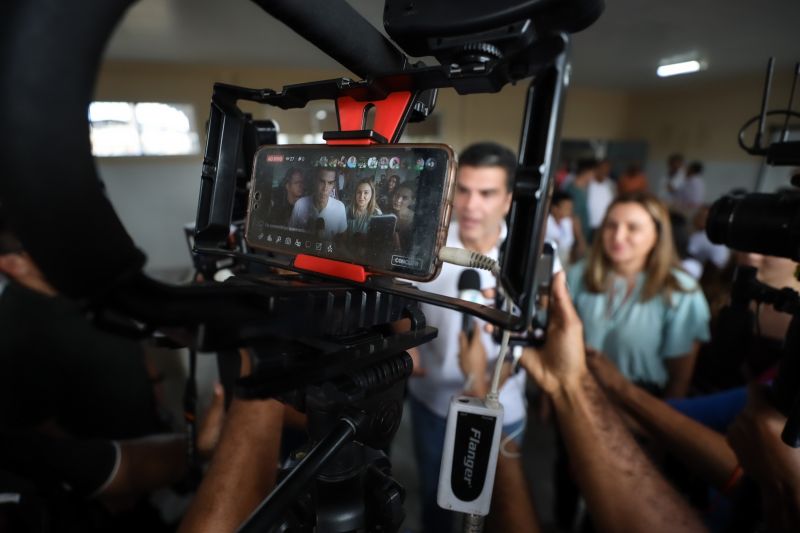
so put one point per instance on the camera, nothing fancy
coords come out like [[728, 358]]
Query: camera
[[762, 223], [768, 224]]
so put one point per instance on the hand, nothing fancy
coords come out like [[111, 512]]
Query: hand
[[211, 427], [561, 363], [472, 358], [417, 369], [755, 437], [606, 373]]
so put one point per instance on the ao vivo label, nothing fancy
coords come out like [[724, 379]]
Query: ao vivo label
[[275, 158]]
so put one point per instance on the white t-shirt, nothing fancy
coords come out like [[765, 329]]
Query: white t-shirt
[[675, 182], [693, 267], [562, 234], [305, 215], [599, 196], [692, 193], [704, 250], [443, 378]]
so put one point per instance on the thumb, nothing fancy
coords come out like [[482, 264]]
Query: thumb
[[562, 310]]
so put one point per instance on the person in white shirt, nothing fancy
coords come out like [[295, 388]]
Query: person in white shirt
[[599, 194], [310, 209], [692, 193], [562, 230], [701, 248], [672, 182], [482, 200]]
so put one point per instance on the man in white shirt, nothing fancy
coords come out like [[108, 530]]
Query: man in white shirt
[[692, 193], [673, 181], [320, 205], [560, 227], [599, 194], [482, 200]]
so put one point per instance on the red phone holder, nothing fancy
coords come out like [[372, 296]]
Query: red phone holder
[[390, 117]]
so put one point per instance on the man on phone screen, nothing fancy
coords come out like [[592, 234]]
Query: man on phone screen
[[481, 202], [320, 212]]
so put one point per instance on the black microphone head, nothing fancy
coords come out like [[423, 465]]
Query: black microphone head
[[320, 224], [469, 280]]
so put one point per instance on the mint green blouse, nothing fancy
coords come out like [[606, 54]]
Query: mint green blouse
[[638, 336]]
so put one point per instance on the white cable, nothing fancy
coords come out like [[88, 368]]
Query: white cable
[[508, 438], [494, 394], [466, 258]]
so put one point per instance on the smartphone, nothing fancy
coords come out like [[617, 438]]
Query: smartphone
[[385, 207]]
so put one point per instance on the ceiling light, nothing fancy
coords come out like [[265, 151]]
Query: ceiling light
[[672, 69]]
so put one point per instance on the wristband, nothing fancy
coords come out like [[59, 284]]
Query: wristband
[[733, 480]]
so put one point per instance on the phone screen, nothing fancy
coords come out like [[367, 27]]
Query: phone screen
[[384, 207]]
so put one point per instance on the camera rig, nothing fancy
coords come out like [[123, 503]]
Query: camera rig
[[768, 224], [326, 338]]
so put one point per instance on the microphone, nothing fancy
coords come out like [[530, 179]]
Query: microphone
[[319, 228], [469, 289]]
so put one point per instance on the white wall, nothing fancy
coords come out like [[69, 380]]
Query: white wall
[[154, 198], [720, 176]]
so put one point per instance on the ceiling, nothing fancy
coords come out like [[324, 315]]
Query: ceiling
[[622, 49]]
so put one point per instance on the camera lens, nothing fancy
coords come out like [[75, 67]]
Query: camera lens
[[761, 223]]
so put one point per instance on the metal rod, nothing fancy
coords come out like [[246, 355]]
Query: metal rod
[[785, 134], [341, 32], [288, 490], [764, 102], [473, 523]]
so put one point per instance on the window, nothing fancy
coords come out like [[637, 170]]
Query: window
[[144, 128]]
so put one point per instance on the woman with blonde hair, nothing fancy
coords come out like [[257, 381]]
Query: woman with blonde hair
[[364, 207], [637, 306]]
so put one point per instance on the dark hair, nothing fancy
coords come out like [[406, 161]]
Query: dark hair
[[291, 172], [695, 167], [489, 154], [585, 164], [560, 196], [9, 243]]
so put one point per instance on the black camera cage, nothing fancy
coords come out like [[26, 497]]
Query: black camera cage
[[58, 206]]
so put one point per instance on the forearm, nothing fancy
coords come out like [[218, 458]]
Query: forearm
[[702, 449], [680, 370], [512, 505], [623, 489], [243, 470], [147, 464]]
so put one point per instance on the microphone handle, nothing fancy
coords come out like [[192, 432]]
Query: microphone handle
[[467, 325]]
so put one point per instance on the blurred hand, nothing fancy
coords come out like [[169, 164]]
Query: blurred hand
[[755, 436], [606, 373], [472, 354], [561, 363], [418, 370]]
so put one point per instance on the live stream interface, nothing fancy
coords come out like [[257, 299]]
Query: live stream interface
[[378, 207]]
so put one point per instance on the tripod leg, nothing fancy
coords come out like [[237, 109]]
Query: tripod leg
[[272, 509]]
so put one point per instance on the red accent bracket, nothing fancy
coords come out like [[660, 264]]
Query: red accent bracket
[[330, 267], [390, 114]]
